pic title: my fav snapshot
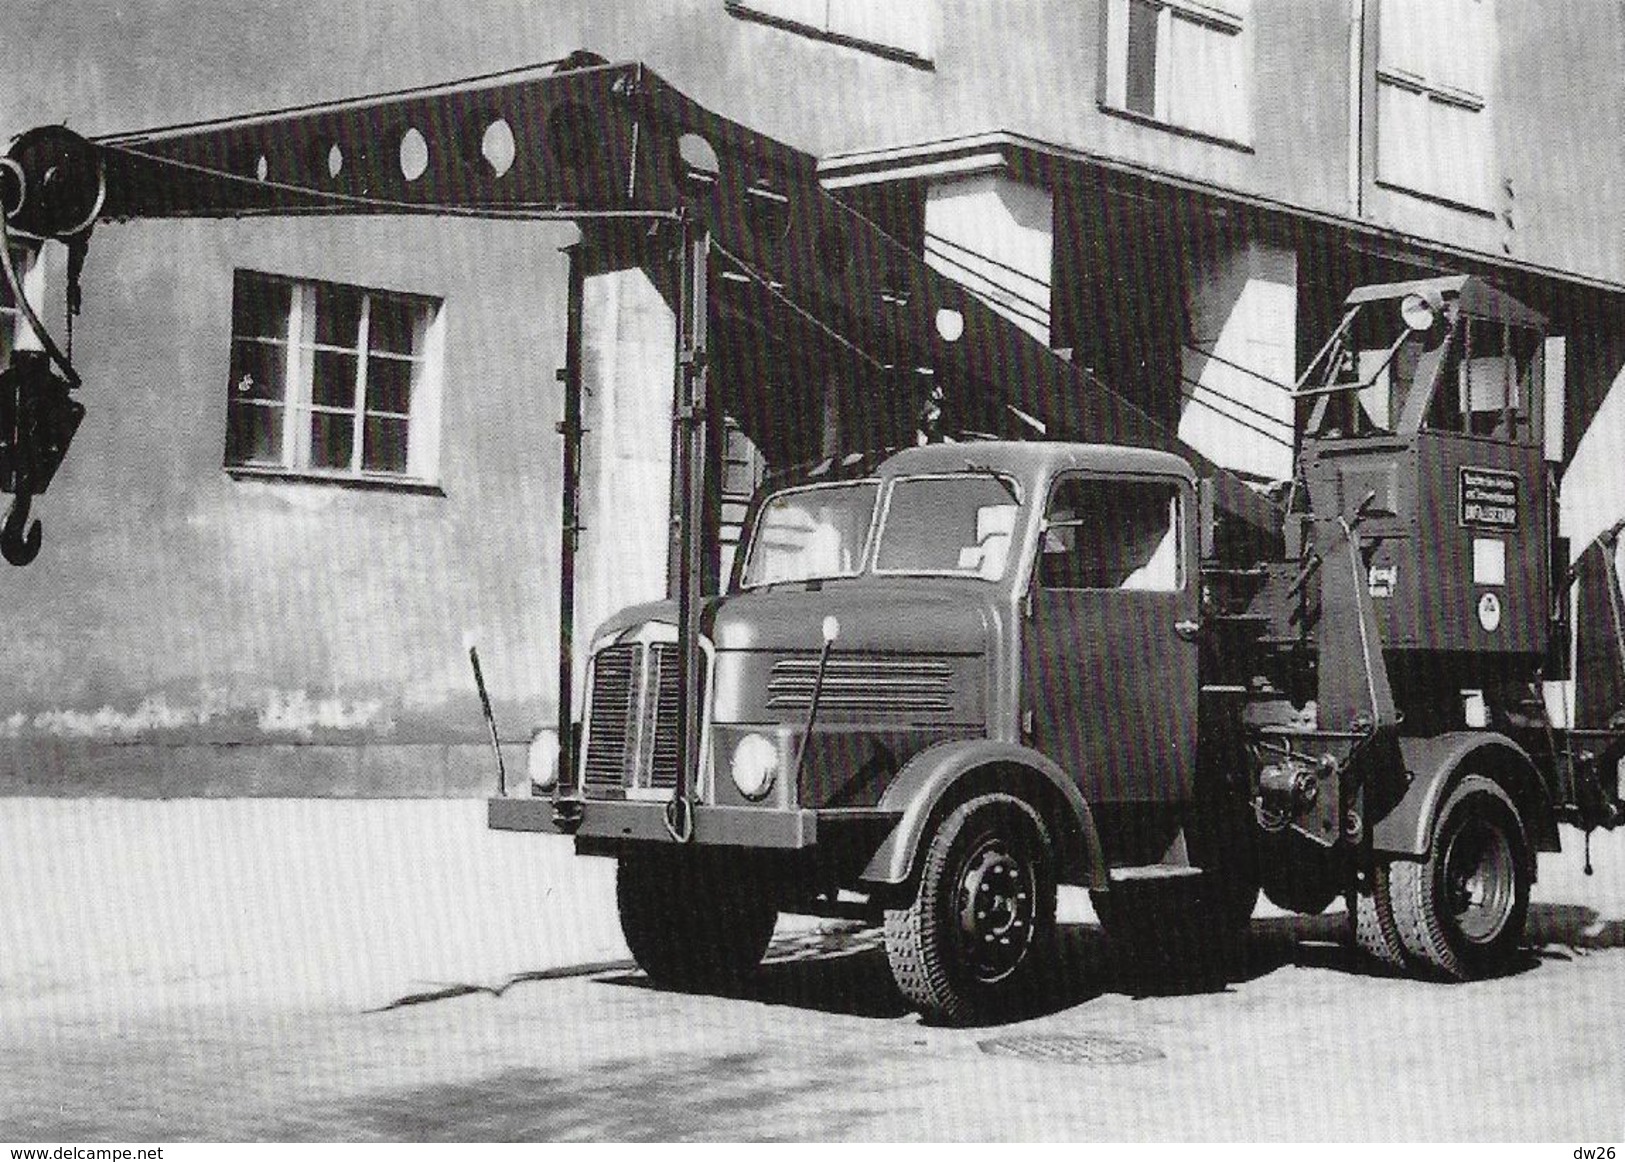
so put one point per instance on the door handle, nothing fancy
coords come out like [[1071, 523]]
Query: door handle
[[1188, 629]]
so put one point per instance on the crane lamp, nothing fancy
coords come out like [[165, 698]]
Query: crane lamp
[[1420, 310]]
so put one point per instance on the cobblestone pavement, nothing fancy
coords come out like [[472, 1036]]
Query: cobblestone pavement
[[359, 971]]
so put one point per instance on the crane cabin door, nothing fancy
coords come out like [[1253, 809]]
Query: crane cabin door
[[1109, 659]]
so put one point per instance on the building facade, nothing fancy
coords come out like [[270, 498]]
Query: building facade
[[320, 459]]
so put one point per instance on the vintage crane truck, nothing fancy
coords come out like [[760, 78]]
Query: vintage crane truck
[[953, 678], [944, 680]]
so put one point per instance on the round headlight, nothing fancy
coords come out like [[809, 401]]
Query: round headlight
[[755, 765], [543, 760]]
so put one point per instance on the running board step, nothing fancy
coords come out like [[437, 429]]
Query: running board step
[[1152, 871]]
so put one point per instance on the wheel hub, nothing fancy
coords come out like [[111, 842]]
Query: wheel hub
[[1479, 881], [996, 908]]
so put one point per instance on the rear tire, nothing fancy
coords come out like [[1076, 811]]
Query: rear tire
[[1371, 921], [689, 921], [981, 925], [1461, 912]]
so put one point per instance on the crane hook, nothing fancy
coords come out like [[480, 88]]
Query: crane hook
[[16, 546]]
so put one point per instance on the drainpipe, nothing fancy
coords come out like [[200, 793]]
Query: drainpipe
[[1357, 93]]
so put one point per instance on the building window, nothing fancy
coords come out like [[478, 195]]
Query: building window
[[333, 380], [1181, 63], [900, 29], [1433, 124]]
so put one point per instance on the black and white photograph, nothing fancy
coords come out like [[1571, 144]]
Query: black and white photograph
[[788, 571]]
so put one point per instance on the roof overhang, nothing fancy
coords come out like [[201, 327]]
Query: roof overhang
[[1054, 164]]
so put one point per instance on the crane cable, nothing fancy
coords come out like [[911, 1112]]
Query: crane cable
[[15, 283]]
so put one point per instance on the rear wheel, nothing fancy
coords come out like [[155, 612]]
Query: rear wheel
[[1461, 912], [689, 921], [1371, 920], [983, 916]]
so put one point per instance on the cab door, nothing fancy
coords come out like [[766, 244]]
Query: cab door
[[1109, 654]]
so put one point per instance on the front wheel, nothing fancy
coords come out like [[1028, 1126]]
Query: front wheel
[[983, 916], [1461, 912], [689, 921]]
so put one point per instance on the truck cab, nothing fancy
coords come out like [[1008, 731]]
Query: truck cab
[[1006, 624]]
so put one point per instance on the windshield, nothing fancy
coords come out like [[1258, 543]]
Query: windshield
[[959, 525], [811, 534]]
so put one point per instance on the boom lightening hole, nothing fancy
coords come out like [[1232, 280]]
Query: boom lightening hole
[[414, 155]]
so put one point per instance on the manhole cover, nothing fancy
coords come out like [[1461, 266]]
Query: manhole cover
[[1089, 1049]]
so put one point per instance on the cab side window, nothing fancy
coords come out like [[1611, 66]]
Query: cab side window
[[1112, 534]]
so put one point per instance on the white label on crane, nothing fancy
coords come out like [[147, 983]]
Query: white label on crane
[[1489, 612], [1489, 561]]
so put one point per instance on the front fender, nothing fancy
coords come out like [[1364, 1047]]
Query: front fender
[[1433, 763], [931, 778]]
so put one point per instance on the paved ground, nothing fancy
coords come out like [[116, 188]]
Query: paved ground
[[234, 970]]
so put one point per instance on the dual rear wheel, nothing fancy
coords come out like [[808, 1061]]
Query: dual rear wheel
[[1459, 913]]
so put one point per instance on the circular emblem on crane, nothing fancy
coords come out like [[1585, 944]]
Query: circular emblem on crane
[[1489, 612]]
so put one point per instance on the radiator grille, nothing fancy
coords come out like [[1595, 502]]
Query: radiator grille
[[882, 685], [609, 718], [632, 721]]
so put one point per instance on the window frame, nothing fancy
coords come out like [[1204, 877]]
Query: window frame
[[1403, 78], [1182, 494], [298, 402], [765, 12], [1232, 18], [878, 534], [860, 562]]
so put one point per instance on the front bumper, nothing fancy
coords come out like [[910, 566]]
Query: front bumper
[[614, 819]]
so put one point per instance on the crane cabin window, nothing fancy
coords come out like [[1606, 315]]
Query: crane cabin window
[[333, 381]]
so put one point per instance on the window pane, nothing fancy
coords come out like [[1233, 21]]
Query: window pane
[[260, 307], [384, 449], [901, 24], [812, 13], [1112, 534], [258, 371], [962, 524], [338, 315], [253, 433], [389, 385], [1140, 89], [807, 533], [1206, 79], [393, 325], [334, 381], [332, 439]]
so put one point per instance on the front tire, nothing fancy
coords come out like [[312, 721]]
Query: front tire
[[1461, 912], [983, 916], [690, 921]]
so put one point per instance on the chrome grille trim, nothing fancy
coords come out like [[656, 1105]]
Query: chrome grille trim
[[881, 684], [631, 741]]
